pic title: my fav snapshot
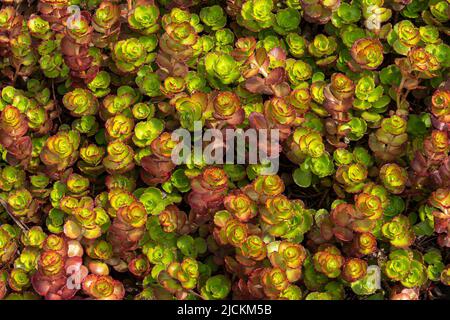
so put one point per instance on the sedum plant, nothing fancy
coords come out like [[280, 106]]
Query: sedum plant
[[352, 96]]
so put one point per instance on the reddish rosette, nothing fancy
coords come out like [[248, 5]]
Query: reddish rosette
[[208, 191]]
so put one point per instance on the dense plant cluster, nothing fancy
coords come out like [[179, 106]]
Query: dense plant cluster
[[93, 207]]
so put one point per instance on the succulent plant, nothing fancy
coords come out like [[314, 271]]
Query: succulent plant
[[399, 232], [107, 190], [328, 260]]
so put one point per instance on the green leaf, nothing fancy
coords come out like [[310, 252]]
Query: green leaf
[[381, 102], [302, 177], [396, 206], [400, 48], [349, 13], [416, 127]]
